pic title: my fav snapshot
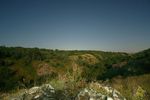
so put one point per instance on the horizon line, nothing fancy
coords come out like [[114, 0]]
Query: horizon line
[[60, 49]]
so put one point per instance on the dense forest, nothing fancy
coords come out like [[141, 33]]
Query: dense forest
[[26, 67]]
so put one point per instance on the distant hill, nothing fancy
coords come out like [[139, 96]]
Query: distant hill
[[133, 64]]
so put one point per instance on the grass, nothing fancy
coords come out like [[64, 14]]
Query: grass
[[133, 87]]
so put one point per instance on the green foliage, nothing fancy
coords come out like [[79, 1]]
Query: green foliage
[[6, 81], [92, 71], [140, 93]]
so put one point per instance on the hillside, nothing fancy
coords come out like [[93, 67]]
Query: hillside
[[22, 68]]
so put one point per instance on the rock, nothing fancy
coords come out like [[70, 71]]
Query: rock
[[44, 92], [34, 90], [114, 94], [109, 98], [98, 92], [47, 92]]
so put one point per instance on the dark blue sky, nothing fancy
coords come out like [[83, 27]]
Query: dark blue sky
[[111, 25]]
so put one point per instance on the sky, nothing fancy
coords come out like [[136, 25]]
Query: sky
[[108, 25]]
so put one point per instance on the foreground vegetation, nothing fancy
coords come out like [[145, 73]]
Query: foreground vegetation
[[25, 67]]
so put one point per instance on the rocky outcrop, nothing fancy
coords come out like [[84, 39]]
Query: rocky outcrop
[[94, 91], [90, 94], [44, 92]]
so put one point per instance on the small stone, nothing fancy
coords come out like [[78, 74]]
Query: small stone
[[109, 98]]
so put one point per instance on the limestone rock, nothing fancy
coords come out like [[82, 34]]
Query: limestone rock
[[98, 92], [44, 92], [94, 91]]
